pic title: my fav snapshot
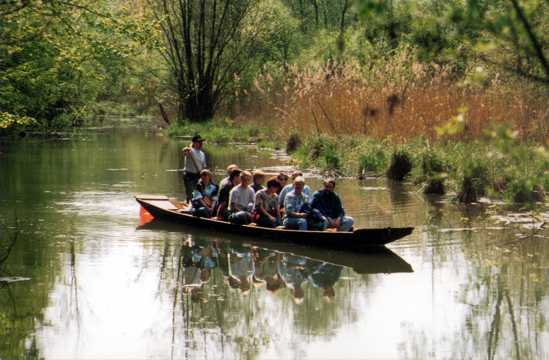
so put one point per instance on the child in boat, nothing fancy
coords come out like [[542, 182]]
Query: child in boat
[[205, 195], [283, 180], [222, 207], [226, 179], [241, 200], [258, 180], [266, 205]]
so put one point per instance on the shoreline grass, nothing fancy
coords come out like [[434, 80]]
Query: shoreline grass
[[497, 165], [224, 131]]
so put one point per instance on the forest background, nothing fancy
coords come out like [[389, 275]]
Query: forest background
[[454, 92]]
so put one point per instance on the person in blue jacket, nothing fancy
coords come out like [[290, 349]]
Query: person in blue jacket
[[328, 203]]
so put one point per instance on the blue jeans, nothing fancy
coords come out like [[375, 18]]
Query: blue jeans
[[240, 218], [295, 223], [266, 222], [345, 223]]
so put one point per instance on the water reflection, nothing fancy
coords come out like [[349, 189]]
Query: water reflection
[[231, 296], [98, 288]]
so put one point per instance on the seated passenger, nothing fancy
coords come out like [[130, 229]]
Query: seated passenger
[[286, 189], [241, 200], [222, 207], [259, 180], [328, 203], [266, 205], [283, 180], [205, 195], [226, 179], [294, 217]]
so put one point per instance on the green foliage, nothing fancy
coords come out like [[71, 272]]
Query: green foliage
[[374, 159], [510, 34], [474, 181], [57, 58], [454, 127], [524, 190], [9, 121], [220, 130]]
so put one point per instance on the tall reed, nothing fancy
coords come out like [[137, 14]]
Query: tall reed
[[399, 99]]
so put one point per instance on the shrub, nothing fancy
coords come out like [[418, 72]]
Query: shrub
[[524, 190], [401, 165], [432, 164], [435, 185], [474, 181], [332, 158], [294, 141]]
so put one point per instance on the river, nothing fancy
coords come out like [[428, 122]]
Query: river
[[80, 280]]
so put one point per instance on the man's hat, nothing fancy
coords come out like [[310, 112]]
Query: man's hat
[[197, 138]]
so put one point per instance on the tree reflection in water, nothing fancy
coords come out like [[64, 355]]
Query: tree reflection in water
[[502, 289]]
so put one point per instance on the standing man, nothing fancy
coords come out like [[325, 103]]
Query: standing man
[[195, 162]]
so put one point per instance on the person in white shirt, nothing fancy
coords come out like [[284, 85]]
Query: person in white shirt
[[195, 162], [241, 200]]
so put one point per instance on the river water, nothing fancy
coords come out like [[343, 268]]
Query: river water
[[79, 279]]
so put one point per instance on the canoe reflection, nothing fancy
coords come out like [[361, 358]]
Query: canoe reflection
[[245, 265], [382, 260]]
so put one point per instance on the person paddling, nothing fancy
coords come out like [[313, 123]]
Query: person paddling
[[195, 162]]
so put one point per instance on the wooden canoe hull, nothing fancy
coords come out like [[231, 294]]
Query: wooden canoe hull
[[379, 260], [160, 207]]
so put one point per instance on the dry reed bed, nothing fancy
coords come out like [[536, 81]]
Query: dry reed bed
[[340, 100]]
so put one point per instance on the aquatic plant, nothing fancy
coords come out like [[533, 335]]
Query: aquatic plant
[[294, 142], [401, 165], [474, 181], [374, 159]]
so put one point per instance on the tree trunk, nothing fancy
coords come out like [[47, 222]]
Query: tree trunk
[[200, 106]]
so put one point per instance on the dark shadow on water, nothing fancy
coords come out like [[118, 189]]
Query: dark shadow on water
[[382, 260], [399, 194]]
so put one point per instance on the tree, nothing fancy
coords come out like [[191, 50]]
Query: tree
[[57, 57], [509, 33], [207, 44]]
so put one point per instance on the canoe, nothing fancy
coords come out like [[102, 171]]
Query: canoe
[[382, 260], [160, 207]]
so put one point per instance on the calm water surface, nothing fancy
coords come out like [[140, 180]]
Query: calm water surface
[[79, 280]]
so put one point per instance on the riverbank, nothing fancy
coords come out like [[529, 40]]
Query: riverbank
[[496, 166]]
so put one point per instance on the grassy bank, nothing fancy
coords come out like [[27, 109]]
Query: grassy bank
[[496, 165], [224, 131]]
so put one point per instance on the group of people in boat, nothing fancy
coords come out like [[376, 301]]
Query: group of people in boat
[[243, 197], [244, 268]]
